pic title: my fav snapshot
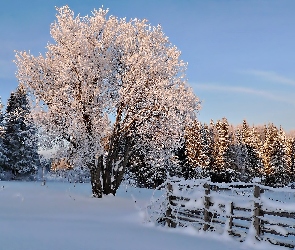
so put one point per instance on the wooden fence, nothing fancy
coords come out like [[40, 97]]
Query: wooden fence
[[245, 214]]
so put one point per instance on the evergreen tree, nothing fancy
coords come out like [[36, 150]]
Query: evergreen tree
[[251, 146], [20, 137], [291, 158], [282, 176], [221, 168], [275, 157], [193, 143], [197, 150], [207, 157], [188, 171], [254, 154], [2, 148], [239, 152]]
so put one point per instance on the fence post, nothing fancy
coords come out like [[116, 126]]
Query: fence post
[[206, 208], [169, 222], [256, 221], [43, 176], [230, 222]]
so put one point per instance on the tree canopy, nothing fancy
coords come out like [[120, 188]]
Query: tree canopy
[[109, 88]]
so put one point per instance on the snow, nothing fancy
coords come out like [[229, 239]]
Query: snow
[[65, 216]]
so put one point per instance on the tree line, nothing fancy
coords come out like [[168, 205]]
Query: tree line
[[240, 153], [19, 156], [219, 150]]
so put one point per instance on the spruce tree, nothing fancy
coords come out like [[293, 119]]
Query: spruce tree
[[291, 158], [222, 145], [275, 157], [282, 176], [20, 137], [193, 144], [239, 152], [254, 154], [2, 148], [197, 151], [251, 146]]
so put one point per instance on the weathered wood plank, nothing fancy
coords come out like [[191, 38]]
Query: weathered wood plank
[[280, 213], [230, 222], [267, 222], [181, 218], [183, 214], [242, 209], [272, 231], [241, 218], [240, 226], [206, 207], [218, 221], [290, 244], [235, 233]]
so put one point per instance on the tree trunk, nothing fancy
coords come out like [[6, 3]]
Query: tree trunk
[[108, 172], [119, 173], [95, 173], [107, 178]]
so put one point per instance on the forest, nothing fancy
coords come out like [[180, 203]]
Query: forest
[[221, 151]]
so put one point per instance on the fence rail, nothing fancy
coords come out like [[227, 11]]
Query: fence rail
[[212, 208]]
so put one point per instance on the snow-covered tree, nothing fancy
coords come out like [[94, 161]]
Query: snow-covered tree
[[194, 144], [254, 145], [2, 147], [238, 152], [291, 157], [199, 148], [275, 157], [101, 67], [247, 152], [220, 171], [186, 170], [282, 174], [20, 138]]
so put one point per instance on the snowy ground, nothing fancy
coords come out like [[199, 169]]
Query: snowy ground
[[64, 216]]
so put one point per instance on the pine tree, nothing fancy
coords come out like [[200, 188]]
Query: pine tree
[[291, 158], [207, 141], [20, 136], [193, 144], [254, 154], [2, 148], [197, 150], [239, 152], [220, 169], [187, 170], [282, 176], [251, 146], [275, 157]]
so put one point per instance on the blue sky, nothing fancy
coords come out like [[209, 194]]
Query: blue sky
[[240, 54]]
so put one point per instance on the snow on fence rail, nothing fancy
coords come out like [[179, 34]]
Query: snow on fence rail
[[242, 210]]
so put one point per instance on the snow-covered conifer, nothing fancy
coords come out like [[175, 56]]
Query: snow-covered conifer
[[254, 145], [20, 139], [2, 147], [197, 150], [291, 157], [194, 144], [275, 156], [221, 148], [250, 147]]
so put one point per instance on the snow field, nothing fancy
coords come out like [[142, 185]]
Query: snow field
[[65, 216]]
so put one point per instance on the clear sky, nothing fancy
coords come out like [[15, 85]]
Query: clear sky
[[240, 54]]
